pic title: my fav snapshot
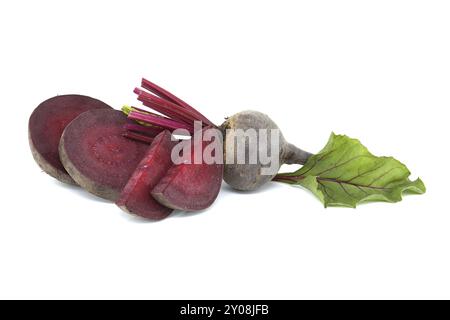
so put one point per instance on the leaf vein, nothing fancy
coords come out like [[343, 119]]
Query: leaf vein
[[352, 184], [383, 175], [343, 163], [364, 173], [345, 190], [325, 190]]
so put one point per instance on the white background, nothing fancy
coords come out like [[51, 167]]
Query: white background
[[375, 70]]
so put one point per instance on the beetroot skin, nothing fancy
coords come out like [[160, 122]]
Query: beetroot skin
[[97, 156], [46, 125], [135, 197], [248, 177], [190, 186]]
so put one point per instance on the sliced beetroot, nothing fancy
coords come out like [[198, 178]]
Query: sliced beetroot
[[46, 125], [135, 197], [97, 156], [189, 186]]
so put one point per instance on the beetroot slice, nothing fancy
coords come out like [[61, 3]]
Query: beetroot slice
[[97, 156], [46, 125], [189, 187], [135, 197]]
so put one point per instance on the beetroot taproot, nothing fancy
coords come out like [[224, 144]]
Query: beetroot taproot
[[46, 125], [190, 186], [135, 198], [97, 156]]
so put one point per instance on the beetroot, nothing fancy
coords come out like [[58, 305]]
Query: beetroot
[[248, 176], [189, 186], [245, 176], [97, 156], [130, 157], [46, 125], [135, 197]]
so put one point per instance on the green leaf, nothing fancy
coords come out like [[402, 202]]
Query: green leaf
[[345, 174]]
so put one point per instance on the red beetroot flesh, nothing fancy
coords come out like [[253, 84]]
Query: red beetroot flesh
[[189, 187], [97, 156], [46, 125], [135, 197]]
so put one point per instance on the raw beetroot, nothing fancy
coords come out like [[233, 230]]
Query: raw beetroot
[[46, 125], [135, 197], [247, 176], [102, 148], [240, 176], [97, 156], [108, 154], [190, 186]]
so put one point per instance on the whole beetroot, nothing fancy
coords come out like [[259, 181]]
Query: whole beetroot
[[248, 176]]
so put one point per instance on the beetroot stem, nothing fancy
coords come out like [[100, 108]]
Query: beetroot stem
[[137, 137], [140, 110], [160, 121], [152, 131], [168, 108], [164, 94], [287, 179]]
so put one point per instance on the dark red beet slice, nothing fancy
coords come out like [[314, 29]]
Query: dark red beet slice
[[135, 197], [97, 156], [189, 187], [46, 125]]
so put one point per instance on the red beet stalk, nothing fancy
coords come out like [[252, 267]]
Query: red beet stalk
[[167, 108], [150, 86], [176, 114], [138, 137], [151, 131], [160, 121]]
